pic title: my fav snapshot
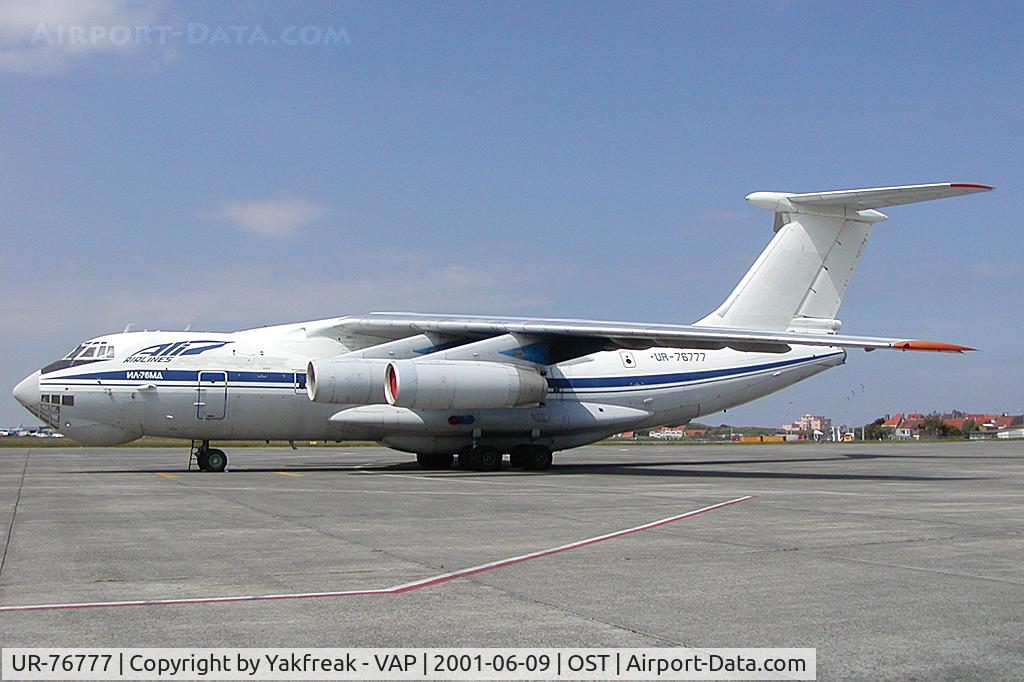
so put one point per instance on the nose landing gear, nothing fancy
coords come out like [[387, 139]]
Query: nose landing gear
[[207, 458]]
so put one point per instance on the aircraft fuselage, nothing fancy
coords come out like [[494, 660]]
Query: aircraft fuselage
[[252, 385]]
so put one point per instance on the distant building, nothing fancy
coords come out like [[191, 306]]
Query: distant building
[[907, 426], [903, 426], [809, 422], [892, 421]]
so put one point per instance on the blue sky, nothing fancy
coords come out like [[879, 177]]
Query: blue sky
[[550, 159]]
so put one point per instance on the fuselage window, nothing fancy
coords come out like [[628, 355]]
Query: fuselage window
[[68, 400]]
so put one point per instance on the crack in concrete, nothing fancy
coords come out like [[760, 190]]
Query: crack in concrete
[[14, 513]]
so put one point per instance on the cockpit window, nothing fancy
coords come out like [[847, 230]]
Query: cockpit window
[[77, 349], [90, 351]]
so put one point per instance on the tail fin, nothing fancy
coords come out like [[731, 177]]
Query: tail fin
[[798, 281]]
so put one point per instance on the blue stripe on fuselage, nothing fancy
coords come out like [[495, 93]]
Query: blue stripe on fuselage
[[553, 382], [184, 375], [678, 377]]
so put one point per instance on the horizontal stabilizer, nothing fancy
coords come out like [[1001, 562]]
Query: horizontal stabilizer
[[864, 199]]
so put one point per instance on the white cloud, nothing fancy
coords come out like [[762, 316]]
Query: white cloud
[[49, 37], [991, 270], [233, 299], [274, 217]]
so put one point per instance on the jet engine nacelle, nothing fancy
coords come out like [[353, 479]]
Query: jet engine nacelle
[[340, 381], [461, 384]]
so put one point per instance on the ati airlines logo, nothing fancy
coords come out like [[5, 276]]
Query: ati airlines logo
[[165, 352]]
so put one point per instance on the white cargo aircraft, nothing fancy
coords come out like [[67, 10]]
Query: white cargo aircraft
[[479, 387]]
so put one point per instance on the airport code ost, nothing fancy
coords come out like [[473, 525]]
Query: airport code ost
[[408, 664]]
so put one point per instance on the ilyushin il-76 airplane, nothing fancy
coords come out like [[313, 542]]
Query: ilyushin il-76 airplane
[[480, 387]]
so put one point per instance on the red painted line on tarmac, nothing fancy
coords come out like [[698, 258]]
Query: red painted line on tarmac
[[563, 548], [396, 589]]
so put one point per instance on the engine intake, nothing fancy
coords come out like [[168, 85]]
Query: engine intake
[[342, 381], [461, 384]]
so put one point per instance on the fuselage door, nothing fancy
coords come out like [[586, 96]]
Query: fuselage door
[[212, 395], [300, 381]]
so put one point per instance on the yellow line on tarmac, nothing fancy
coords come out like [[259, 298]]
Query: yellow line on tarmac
[[164, 474], [286, 473]]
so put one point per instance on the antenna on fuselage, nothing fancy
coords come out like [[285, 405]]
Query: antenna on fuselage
[[188, 327], [128, 327]]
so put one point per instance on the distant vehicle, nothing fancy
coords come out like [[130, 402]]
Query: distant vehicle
[[46, 434], [437, 385]]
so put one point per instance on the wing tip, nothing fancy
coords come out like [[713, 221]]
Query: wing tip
[[936, 346], [972, 185]]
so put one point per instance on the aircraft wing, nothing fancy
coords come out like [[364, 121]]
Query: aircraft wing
[[599, 335]]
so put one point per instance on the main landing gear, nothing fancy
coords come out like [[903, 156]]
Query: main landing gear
[[533, 457], [488, 458], [479, 458], [435, 461], [207, 458]]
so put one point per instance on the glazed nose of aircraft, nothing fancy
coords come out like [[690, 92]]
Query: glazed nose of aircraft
[[27, 392]]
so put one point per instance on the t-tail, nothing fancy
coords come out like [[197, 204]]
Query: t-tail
[[798, 281]]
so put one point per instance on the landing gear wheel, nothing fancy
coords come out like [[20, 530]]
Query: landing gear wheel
[[434, 460], [202, 460], [216, 460], [489, 458], [480, 458], [539, 458], [520, 456], [469, 459]]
